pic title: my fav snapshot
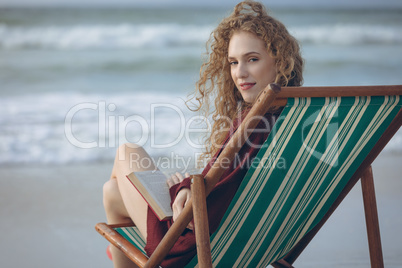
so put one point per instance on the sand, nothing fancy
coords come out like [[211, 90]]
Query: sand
[[48, 215]]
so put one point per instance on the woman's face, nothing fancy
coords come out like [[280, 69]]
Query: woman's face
[[251, 67]]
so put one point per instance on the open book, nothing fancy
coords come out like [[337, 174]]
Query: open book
[[154, 189]]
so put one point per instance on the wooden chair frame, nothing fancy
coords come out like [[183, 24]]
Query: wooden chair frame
[[271, 96]]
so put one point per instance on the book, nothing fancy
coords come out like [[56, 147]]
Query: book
[[155, 191]]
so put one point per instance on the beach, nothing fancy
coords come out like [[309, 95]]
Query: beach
[[48, 214], [75, 83]]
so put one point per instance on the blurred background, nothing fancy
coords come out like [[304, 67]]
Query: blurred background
[[78, 78]]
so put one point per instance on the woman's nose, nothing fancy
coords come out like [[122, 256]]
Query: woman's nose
[[242, 71]]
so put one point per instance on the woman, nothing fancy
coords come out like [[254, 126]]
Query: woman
[[249, 50]]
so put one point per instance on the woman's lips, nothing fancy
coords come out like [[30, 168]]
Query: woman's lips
[[246, 86]]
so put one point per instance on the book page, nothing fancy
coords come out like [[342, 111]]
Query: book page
[[155, 184]]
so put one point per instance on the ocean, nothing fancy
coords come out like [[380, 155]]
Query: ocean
[[76, 83]]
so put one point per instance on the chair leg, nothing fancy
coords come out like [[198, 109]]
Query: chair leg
[[201, 222], [370, 209], [282, 264]]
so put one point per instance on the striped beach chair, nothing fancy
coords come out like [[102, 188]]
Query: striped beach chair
[[323, 142]]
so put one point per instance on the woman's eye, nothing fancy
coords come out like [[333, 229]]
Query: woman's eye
[[253, 59], [232, 62]]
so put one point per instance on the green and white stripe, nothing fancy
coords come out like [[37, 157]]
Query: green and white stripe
[[274, 208], [235, 220], [133, 235], [315, 147]]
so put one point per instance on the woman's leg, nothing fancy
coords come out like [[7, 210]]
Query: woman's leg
[[121, 200]]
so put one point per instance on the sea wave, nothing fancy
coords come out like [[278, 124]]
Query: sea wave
[[128, 36], [61, 128], [349, 34], [102, 36]]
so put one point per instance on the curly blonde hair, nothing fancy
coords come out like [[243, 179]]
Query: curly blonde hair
[[215, 78]]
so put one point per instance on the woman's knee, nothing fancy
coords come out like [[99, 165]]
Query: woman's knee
[[113, 204], [134, 156], [125, 150], [111, 194]]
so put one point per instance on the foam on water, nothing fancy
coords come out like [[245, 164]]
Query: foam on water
[[63, 128], [129, 36], [102, 71], [102, 36], [348, 34]]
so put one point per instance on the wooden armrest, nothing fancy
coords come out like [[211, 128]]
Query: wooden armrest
[[121, 243], [201, 225]]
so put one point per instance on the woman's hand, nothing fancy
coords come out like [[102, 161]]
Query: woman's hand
[[176, 178], [182, 196]]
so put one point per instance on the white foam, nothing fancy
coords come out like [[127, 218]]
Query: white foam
[[33, 127], [348, 34], [103, 36], [129, 36], [63, 128]]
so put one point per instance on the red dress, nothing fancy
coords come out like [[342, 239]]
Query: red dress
[[185, 248]]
